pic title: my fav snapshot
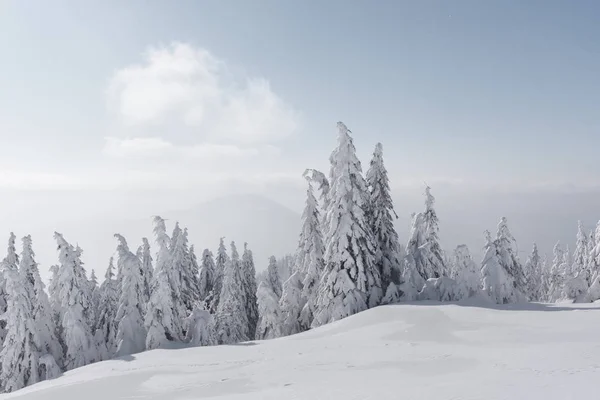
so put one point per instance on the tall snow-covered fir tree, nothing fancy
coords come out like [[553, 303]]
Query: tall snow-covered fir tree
[[308, 270], [417, 268], [506, 246], [207, 275], [533, 271], [232, 319], [188, 281], [496, 282], [106, 329], [290, 307], [249, 281], [75, 307], [381, 213], [221, 261], [433, 251], [352, 282], [269, 323], [48, 343], [557, 273], [162, 321], [195, 272], [465, 271], [580, 255], [145, 256], [273, 277], [20, 353], [131, 333]]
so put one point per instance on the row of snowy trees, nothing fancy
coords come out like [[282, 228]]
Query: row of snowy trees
[[349, 257], [142, 304]]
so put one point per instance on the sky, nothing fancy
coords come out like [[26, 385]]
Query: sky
[[117, 110]]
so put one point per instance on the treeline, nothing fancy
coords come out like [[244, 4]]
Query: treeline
[[348, 259]]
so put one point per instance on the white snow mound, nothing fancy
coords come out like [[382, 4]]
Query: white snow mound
[[412, 351]]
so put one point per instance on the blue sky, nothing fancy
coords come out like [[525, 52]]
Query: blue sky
[[468, 95], [467, 85]]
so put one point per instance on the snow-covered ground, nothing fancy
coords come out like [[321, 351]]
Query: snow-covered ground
[[414, 351]]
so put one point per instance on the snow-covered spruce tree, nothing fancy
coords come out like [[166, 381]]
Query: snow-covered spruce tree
[[556, 274], [95, 291], [381, 213], [182, 263], [506, 246], [291, 305], [220, 262], [195, 272], [106, 329], [313, 175], [300, 291], [144, 254], [131, 333], [432, 252], [533, 272], [496, 282], [200, 327], [41, 311], [593, 261], [417, 269], [249, 281], [352, 282], [465, 271], [580, 255], [269, 323], [232, 319], [75, 307], [20, 352], [207, 275], [162, 321], [273, 277], [55, 304], [546, 279]]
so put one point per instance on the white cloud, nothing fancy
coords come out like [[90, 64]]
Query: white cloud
[[185, 86]]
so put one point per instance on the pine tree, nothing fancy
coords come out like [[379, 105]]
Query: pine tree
[[200, 328], [533, 271], [273, 277], [207, 275], [465, 271], [75, 307], [417, 267], [546, 279], [106, 330], [20, 352], [580, 254], [301, 290], [41, 311], [188, 282], [249, 282], [497, 283], [269, 324], [232, 319], [291, 306], [162, 320], [94, 290], [220, 262], [381, 212], [145, 256], [507, 256], [131, 333], [433, 251], [557, 273], [352, 282]]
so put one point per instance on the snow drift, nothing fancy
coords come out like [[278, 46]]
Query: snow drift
[[414, 351]]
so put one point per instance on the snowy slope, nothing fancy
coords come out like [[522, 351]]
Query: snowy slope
[[418, 351]]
